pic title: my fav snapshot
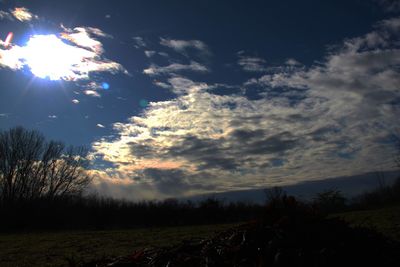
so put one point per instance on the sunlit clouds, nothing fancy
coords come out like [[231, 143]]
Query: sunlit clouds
[[92, 93], [82, 37], [20, 13], [48, 56], [173, 111], [334, 118], [70, 55], [23, 14]]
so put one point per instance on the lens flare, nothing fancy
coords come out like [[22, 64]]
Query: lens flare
[[105, 86], [8, 40]]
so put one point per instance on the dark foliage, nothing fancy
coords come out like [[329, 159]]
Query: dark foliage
[[329, 201], [78, 212], [290, 234], [383, 195]]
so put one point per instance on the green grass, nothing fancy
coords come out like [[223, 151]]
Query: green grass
[[53, 249], [385, 220]]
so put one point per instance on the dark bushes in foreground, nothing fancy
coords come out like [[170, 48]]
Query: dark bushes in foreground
[[291, 234]]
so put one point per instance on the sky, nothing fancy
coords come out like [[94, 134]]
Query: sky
[[178, 98]]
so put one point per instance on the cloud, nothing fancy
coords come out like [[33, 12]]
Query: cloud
[[92, 93], [74, 61], [363, 72], [389, 5], [292, 62], [194, 66], [330, 119], [5, 15], [139, 42], [161, 84], [183, 46], [83, 37], [75, 101], [181, 85], [149, 53], [20, 13], [23, 14], [251, 64], [52, 116], [99, 125]]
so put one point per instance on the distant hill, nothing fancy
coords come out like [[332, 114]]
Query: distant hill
[[349, 185]]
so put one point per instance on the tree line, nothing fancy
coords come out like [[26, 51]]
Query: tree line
[[42, 185]]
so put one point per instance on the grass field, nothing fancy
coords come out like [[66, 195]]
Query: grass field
[[385, 220], [55, 249]]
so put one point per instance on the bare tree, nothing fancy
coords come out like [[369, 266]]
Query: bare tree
[[32, 168], [330, 200], [274, 194]]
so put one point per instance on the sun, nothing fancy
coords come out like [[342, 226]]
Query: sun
[[49, 57]]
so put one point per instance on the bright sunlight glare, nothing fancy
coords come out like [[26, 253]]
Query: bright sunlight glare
[[49, 57]]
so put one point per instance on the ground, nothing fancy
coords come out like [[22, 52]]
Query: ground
[[57, 248], [384, 220]]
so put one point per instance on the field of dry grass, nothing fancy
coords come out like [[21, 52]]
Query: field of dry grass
[[384, 220], [58, 248]]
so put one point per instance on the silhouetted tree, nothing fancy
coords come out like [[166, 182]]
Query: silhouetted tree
[[31, 168], [330, 200], [274, 194]]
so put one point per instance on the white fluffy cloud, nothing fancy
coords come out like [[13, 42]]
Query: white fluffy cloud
[[194, 66], [182, 46], [328, 120], [251, 64], [92, 93], [84, 37]]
